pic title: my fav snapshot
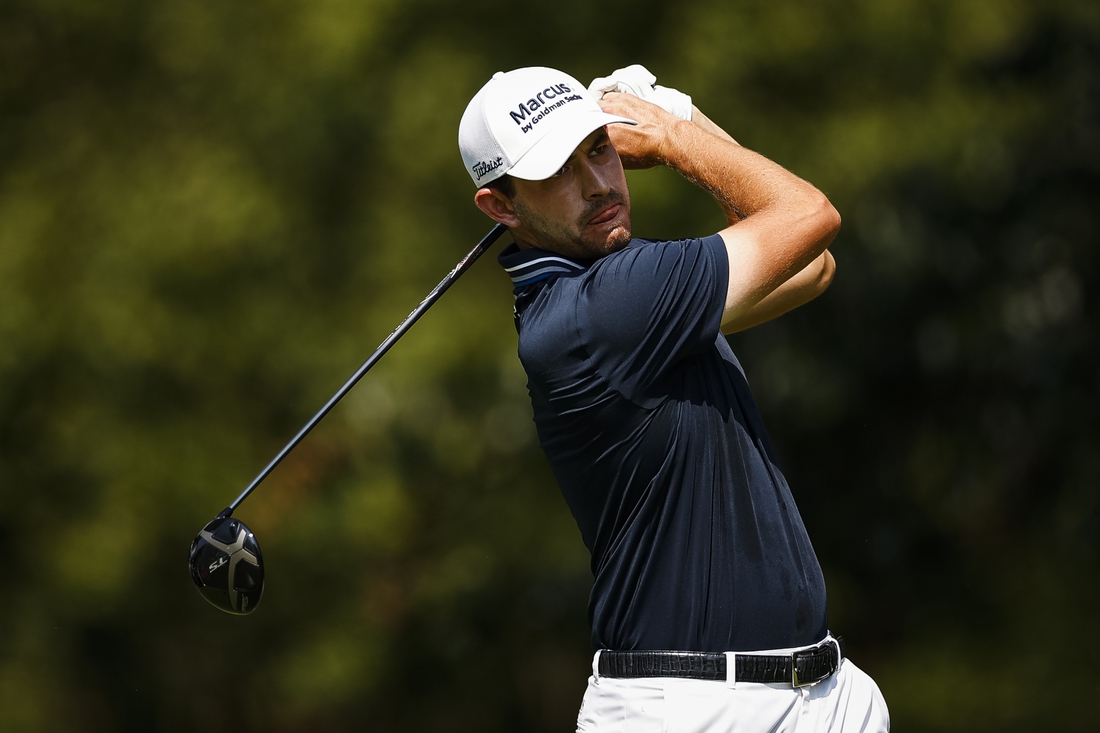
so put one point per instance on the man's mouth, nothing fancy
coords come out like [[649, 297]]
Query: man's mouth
[[605, 215]]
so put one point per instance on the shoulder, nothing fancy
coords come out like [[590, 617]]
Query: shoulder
[[660, 251], [655, 263]]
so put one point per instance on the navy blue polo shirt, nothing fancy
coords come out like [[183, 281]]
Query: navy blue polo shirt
[[647, 421]]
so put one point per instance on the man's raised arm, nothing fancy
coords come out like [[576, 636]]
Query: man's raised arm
[[779, 226]]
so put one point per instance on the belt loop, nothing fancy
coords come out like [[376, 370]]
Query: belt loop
[[596, 666], [731, 670]]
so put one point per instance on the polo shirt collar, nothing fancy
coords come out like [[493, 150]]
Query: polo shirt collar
[[527, 266]]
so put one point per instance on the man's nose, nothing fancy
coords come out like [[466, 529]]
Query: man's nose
[[595, 181]]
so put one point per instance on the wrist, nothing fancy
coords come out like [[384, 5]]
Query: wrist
[[676, 143]]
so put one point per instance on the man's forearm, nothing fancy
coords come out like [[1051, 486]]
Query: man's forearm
[[743, 182], [799, 290], [703, 122]]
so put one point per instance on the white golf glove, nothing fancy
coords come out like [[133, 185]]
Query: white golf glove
[[637, 80]]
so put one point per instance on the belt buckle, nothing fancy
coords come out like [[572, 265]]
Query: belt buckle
[[795, 682]]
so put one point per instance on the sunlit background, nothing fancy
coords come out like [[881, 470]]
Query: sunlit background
[[211, 213]]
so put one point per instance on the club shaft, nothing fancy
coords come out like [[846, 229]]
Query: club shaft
[[463, 265]]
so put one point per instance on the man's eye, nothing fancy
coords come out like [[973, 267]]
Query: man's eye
[[599, 150], [560, 172]]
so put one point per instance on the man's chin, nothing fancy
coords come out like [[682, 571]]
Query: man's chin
[[613, 241], [586, 244], [619, 238], [619, 241]]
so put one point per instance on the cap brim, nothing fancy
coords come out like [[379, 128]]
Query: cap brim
[[549, 154]]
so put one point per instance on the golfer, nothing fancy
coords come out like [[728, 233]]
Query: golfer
[[708, 605]]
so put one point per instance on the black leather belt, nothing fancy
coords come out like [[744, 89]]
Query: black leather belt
[[799, 669]]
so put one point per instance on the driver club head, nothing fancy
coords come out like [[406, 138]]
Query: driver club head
[[227, 566]]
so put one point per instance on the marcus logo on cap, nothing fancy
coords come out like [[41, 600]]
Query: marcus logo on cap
[[544, 105], [526, 123]]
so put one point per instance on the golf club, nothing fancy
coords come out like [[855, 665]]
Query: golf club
[[225, 559]]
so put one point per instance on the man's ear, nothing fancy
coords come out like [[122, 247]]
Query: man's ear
[[497, 206]]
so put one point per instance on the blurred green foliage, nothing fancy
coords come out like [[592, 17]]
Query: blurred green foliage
[[210, 213]]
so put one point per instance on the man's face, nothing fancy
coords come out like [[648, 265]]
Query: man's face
[[583, 210]]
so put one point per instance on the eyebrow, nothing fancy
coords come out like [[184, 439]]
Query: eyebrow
[[600, 139]]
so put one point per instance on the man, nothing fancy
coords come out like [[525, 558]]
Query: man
[[645, 415]]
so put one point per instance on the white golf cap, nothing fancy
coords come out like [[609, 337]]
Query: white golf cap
[[527, 123]]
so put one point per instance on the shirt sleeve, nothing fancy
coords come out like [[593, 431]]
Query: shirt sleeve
[[647, 308]]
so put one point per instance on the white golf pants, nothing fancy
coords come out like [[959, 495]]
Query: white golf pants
[[847, 702]]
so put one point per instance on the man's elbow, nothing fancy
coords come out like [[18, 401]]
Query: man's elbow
[[825, 221], [828, 271]]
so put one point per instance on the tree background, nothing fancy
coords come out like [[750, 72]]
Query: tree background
[[210, 213]]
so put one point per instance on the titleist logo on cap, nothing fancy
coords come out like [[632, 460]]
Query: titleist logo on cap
[[484, 167]]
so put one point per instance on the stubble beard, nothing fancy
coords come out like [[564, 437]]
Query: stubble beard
[[574, 239]]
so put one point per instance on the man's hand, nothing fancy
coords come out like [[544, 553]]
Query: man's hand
[[640, 81], [639, 146]]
